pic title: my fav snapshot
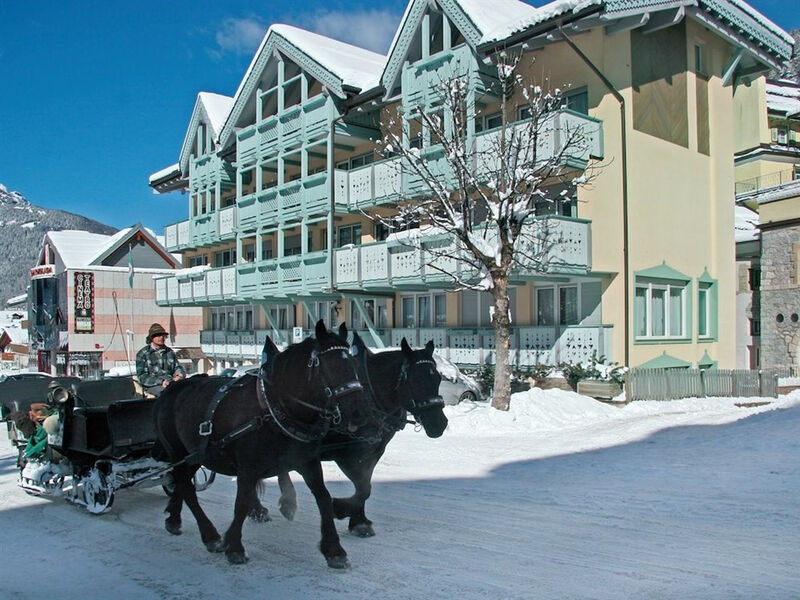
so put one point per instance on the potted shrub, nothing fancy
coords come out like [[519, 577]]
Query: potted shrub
[[596, 379]]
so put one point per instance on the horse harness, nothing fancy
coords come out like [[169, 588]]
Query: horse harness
[[274, 412]]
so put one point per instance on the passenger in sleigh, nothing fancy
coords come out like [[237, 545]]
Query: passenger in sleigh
[[156, 363], [40, 422]]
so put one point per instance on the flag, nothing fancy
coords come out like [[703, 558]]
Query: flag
[[130, 265]]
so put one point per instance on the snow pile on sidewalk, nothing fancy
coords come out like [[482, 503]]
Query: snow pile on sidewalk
[[552, 410]]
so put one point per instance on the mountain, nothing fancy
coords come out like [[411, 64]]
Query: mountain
[[22, 227]]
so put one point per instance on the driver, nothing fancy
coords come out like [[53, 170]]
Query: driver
[[156, 363]]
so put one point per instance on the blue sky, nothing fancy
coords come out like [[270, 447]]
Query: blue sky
[[97, 95]]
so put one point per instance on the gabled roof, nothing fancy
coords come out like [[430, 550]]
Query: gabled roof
[[81, 249], [211, 109], [341, 67], [479, 21], [358, 68]]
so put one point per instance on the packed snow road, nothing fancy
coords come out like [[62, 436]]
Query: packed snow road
[[561, 498]]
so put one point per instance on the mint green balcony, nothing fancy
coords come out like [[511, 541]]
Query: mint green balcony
[[432, 261], [580, 135], [176, 236], [206, 171], [203, 230], [282, 277], [529, 345], [386, 181], [214, 227], [377, 183], [294, 126], [196, 287]]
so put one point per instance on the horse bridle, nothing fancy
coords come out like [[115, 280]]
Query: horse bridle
[[407, 397], [333, 395], [330, 414]]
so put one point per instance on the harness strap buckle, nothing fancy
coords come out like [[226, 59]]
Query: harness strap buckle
[[206, 427]]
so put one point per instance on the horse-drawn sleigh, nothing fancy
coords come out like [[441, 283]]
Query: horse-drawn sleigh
[[316, 400], [95, 439]]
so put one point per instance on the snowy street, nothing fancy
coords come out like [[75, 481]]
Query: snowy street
[[562, 498]]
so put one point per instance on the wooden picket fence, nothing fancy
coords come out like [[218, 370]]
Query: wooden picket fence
[[672, 384]]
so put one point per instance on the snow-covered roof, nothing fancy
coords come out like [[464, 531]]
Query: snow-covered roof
[[16, 335], [347, 66], [356, 67], [76, 248], [174, 170], [784, 97], [217, 109], [745, 224], [17, 300], [517, 16], [81, 249]]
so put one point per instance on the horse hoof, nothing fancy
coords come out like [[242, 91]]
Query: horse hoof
[[236, 558], [260, 515], [288, 509], [338, 562], [362, 530], [172, 527], [215, 546]]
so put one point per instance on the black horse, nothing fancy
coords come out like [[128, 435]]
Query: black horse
[[257, 427], [399, 381]]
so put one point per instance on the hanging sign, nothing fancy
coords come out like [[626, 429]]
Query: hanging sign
[[84, 302]]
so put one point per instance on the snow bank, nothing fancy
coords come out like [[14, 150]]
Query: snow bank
[[534, 410]]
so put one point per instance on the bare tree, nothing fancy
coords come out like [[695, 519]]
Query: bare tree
[[482, 193]]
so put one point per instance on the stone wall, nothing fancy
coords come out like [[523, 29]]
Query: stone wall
[[780, 296]]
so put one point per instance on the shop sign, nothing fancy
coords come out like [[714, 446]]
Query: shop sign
[[84, 302], [43, 271]]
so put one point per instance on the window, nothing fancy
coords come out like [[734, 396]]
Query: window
[[197, 261], [327, 310], [660, 310], [439, 310], [266, 249], [780, 135], [408, 312], [424, 310], [225, 258], [567, 311], [755, 326], [699, 60], [354, 162], [281, 316], [703, 311], [545, 307], [376, 311], [755, 278], [348, 234], [577, 101], [568, 305], [490, 121], [249, 251], [380, 231], [291, 245], [415, 133]]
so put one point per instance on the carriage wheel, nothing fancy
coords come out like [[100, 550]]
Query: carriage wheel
[[98, 493], [202, 479]]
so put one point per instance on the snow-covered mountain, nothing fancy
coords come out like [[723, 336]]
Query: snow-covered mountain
[[22, 227]]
